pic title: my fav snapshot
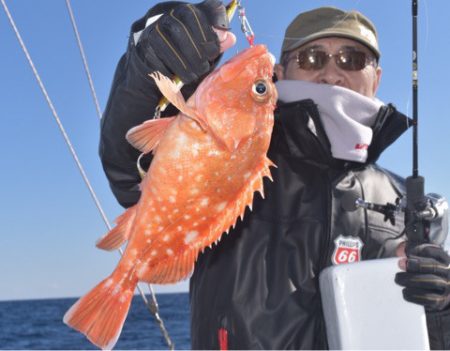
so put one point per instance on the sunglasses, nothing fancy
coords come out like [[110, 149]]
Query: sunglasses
[[347, 59]]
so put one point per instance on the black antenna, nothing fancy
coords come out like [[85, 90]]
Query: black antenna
[[414, 184], [415, 86]]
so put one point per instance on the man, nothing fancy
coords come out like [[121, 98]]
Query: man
[[259, 287]]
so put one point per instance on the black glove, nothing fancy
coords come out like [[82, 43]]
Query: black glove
[[182, 42], [427, 277]]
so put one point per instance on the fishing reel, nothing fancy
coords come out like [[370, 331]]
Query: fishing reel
[[428, 217]]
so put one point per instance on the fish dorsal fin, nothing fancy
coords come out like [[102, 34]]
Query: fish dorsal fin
[[172, 93], [146, 136], [120, 233]]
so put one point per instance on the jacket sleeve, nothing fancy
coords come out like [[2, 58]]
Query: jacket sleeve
[[132, 100], [438, 325]]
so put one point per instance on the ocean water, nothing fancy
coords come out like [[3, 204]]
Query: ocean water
[[37, 324]]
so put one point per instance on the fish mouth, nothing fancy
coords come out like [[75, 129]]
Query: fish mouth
[[272, 59]]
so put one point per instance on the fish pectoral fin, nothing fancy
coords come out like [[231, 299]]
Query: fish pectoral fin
[[146, 136], [120, 233]]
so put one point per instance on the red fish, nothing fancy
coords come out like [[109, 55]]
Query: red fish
[[208, 162]]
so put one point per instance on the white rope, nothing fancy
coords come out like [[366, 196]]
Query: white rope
[[154, 306]]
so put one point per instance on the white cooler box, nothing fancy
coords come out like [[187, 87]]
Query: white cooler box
[[365, 309]]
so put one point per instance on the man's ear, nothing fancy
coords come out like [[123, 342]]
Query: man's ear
[[279, 71], [376, 83]]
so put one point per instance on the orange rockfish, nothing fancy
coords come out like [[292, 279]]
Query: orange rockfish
[[208, 162]]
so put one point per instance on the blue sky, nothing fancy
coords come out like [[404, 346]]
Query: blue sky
[[49, 221]]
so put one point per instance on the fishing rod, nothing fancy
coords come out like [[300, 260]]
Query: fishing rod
[[419, 209], [416, 205]]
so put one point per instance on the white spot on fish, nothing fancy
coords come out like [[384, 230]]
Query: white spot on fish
[[169, 252], [220, 207], [116, 289], [233, 157], [142, 270], [149, 241], [175, 211], [129, 264], [195, 147], [133, 252], [109, 282], [195, 224], [197, 209], [164, 208], [154, 253], [154, 191], [190, 236], [179, 228], [199, 177], [172, 199], [204, 201], [180, 178], [247, 175], [159, 199], [194, 191], [147, 232], [122, 298], [213, 153], [216, 173], [187, 217], [182, 139], [157, 219], [160, 228], [166, 237]]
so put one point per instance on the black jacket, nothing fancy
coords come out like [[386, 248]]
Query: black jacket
[[260, 283]]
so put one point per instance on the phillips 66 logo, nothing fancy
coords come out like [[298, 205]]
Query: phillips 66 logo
[[347, 249]]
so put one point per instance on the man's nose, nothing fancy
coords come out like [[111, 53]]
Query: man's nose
[[331, 74]]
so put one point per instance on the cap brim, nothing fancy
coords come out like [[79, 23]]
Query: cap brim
[[327, 34]]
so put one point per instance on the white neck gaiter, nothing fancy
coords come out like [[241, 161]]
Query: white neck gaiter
[[346, 115]]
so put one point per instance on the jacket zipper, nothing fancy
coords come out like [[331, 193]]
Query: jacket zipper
[[327, 243]]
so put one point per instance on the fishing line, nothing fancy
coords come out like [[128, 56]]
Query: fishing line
[[153, 306], [83, 57]]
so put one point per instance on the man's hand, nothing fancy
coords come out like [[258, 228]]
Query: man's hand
[[187, 39], [427, 276]]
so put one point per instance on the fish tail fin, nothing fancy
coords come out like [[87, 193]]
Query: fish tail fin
[[101, 313]]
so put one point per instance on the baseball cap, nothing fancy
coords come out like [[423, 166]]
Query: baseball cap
[[330, 22]]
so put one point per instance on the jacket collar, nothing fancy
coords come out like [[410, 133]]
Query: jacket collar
[[305, 138]]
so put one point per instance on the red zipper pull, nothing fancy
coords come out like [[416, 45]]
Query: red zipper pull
[[223, 339]]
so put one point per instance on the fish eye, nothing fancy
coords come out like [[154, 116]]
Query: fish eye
[[260, 90]]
